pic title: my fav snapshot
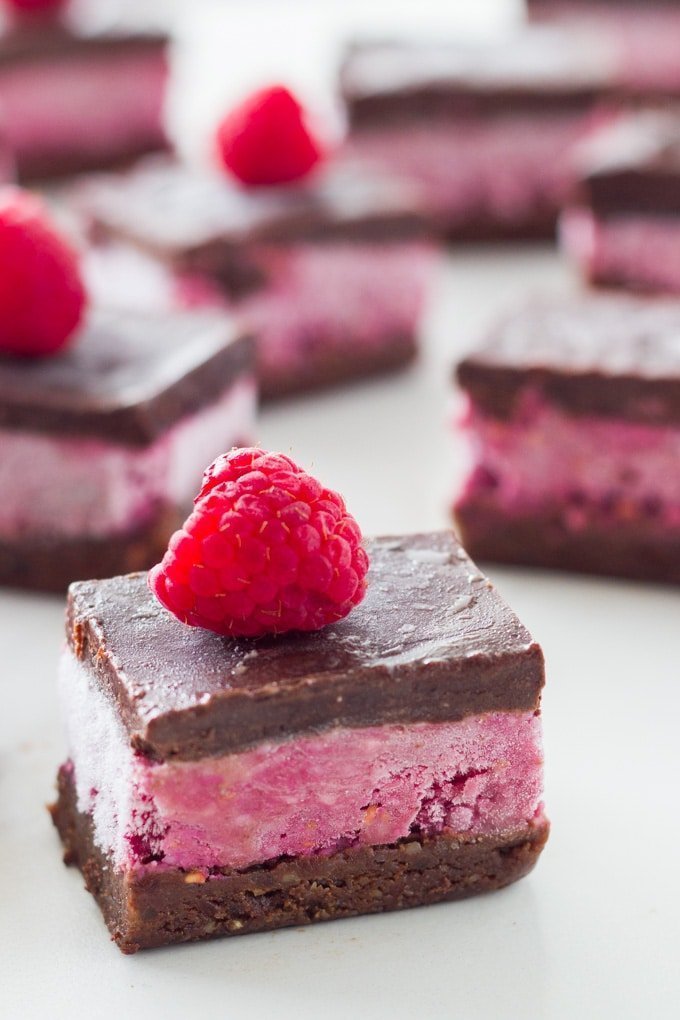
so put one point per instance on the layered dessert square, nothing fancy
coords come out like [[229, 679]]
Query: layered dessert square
[[102, 445], [623, 229], [573, 423], [222, 786], [75, 98], [331, 274], [643, 32], [484, 129]]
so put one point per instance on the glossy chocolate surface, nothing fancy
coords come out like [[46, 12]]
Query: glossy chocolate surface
[[126, 377]]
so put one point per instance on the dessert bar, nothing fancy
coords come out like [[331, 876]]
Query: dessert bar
[[484, 129], [103, 444], [624, 227], [330, 274], [75, 99], [573, 420], [644, 34], [222, 786]]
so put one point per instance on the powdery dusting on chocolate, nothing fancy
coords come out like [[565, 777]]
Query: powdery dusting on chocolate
[[414, 650], [611, 355], [177, 211]]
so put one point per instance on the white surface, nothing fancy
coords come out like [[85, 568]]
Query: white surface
[[593, 932]]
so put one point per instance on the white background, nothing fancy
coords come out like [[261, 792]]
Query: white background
[[595, 930]]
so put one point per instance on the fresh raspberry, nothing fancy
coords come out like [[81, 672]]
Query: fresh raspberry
[[266, 550], [36, 6], [42, 296], [266, 141]]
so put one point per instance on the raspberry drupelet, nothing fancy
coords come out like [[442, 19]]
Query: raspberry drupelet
[[266, 550]]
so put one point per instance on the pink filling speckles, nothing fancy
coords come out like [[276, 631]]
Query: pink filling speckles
[[505, 167], [67, 486], [317, 301], [347, 787], [326, 298], [595, 468], [640, 252]]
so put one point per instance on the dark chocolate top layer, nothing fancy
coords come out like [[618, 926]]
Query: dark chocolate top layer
[[633, 167], [535, 69], [204, 221], [617, 356], [432, 640], [35, 39], [126, 377]]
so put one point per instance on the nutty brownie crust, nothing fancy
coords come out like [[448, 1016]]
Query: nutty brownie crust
[[334, 364], [639, 551], [38, 167], [177, 906], [44, 564]]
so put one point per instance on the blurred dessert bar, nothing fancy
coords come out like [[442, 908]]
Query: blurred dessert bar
[[624, 227], [573, 422], [331, 274], [73, 99], [485, 129], [645, 34], [103, 445], [391, 760]]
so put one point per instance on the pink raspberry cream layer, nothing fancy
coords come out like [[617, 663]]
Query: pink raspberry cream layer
[[72, 487], [636, 252], [91, 110], [594, 468], [510, 170], [310, 794]]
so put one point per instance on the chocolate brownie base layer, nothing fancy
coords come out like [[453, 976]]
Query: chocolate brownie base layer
[[178, 906], [607, 282], [337, 366], [542, 226], [635, 551], [38, 167], [52, 564]]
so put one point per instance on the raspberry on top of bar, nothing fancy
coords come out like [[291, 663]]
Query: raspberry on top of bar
[[573, 422], [223, 786], [267, 549]]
